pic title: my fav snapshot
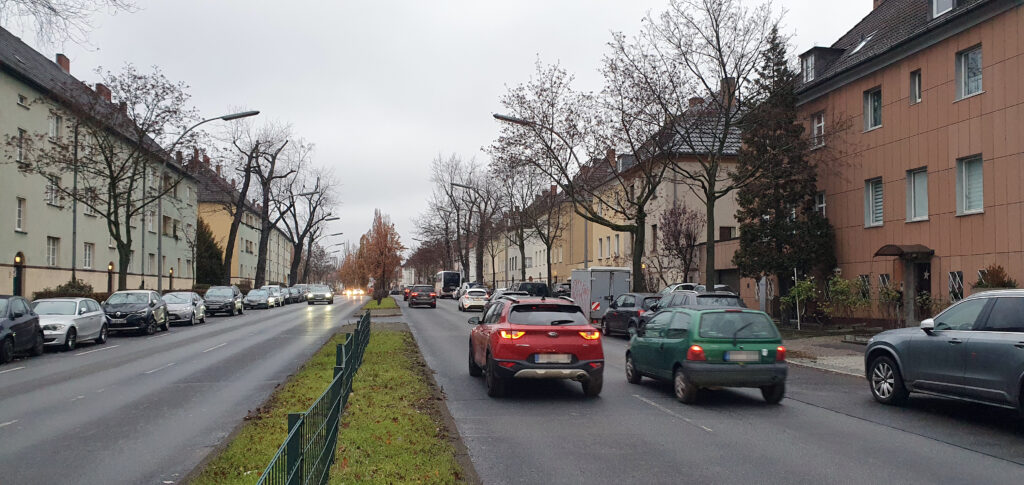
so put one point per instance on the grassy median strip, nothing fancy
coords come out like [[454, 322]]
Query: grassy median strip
[[391, 431], [386, 303]]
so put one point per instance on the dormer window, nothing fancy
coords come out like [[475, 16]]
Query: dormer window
[[808, 68], [940, 7]]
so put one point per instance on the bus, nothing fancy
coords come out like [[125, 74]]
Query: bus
[[446, 283]]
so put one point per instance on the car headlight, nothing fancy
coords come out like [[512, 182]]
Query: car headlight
[[329, 295], [140, 312], [55, 327]]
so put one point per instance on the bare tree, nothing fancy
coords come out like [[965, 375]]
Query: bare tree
[[312, 199], [680, 233], [56, 21], [271, 171]]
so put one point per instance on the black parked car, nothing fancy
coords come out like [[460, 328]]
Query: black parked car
[[19, 328], [423, 295], [693, 299], [223, 299], [624, 313], [534, 288], [136, 310], [563, 289]]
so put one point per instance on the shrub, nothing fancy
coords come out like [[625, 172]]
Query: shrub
[[995, 277], [805, 292], [843, 296], [73, 288]]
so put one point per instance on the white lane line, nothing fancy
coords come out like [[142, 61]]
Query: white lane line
[[215, 347], [158, 336], [11, 370], [670, 412], [8, 423], [98, 350], [77, 398], [159, 368]]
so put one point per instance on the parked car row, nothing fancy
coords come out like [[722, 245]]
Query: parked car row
[[65, 322]]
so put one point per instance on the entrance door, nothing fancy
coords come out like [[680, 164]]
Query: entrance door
[[922, 284], [19, 276]]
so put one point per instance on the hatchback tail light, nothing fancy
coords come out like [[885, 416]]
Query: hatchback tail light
[[596, 334], [695, 352], [512, 334], [780, 354], [415, 294], [640, 313]]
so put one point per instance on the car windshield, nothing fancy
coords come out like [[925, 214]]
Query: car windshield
[[54, 307], [119, 298], [257, 293], [737, 325], [3, 307], [320, 289], [219, 293], [541, 314], [723, 300], [178, 298]]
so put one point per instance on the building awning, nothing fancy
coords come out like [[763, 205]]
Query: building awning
[[905, 250]]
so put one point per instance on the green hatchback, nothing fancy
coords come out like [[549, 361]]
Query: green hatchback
[[699, 347]]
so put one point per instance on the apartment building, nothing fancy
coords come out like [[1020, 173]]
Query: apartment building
[[47, 234], [917, 110]]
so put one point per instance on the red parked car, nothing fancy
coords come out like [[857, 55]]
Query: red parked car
[[535, 338]]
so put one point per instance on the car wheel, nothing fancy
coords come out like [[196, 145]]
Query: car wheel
[[592, 386], [203, 320], [102, 338], [70, 340], [773, 394], [309, 303], [886, 382], [433, 305], [166, 325], [496, 386], [632, 375], [474, 370], [241, 309], [6, 351], [686, 391], [604, 327], [150, 326], [192, 319]]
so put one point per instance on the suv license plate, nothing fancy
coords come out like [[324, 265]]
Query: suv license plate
[[553, 358], [742, 356], [118, 320]]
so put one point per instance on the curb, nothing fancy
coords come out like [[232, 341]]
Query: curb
[[814, 365]]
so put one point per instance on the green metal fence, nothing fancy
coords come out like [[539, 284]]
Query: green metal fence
[[308, 452]]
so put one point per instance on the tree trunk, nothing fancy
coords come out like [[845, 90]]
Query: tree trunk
[[709, 246], [309, 256], [522, 255], [293, 271], [265, 228], [123, 258], [639, 246], [547, 259], [236, 220]]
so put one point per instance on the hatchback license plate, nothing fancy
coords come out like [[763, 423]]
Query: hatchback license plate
[[553, 358], [742, 356]]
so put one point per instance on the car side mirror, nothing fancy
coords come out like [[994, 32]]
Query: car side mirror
[[83, 311], [928, 324], [17, 314], [152, 302], [613, 305], [474, 321]]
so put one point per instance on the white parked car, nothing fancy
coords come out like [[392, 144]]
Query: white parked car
[[186, 307], [67, 321], [474, 298]]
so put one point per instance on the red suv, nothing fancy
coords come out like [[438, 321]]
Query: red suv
[[535, 338]]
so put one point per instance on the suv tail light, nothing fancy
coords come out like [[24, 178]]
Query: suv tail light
[[596, 334], [512, 334], [415, 294], [433, 295], [695, 352], [780, 354]]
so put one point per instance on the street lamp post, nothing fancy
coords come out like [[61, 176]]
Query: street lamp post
[[160, 200]]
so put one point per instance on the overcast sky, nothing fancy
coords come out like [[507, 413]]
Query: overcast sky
[[381, 87]]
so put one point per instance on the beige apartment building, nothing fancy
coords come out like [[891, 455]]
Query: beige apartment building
[[44, 233], [918, 110]]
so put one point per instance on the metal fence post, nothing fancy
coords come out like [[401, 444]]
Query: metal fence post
[[293, 455]]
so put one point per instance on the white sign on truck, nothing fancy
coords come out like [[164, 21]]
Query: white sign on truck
[[593, 289]]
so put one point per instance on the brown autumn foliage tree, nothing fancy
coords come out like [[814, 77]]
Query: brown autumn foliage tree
[[383, 254]]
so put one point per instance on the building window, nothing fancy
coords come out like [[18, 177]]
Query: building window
[[818, 129], [600, 248], [865, 286], [884, 280], [19, 221], [53, 190], [915, 87], [618, 246], [917, 195], [56, 122], [982, 274], [968, 72], [152, 262], [940, 7], [150, 218], [654, 237], [956, 286], [808, 68], [20, 152], [89, 250], [872, 108], [970, 197], [91, 199], [52, 251], [167, 226], [725, 232], [873, 203], [23, 101], [608, 244], [819, 203], [131, 260]]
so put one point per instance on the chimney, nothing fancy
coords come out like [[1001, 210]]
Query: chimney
[[610, 156], [64, 63], [177, 156], [696, 101], [206, 160], [103, 91], [877, 3], [554, 189], [727, 89], [218, 167]]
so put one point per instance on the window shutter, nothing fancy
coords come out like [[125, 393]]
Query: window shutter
[[974, 197], [876, 202]]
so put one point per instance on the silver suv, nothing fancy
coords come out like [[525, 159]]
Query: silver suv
[[974, 351]]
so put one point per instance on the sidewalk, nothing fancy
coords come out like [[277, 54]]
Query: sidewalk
[[827, 353]]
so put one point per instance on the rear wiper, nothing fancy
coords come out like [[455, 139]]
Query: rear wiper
[[561, 322], [735, 335]]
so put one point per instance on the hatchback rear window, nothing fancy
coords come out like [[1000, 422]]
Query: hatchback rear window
[[476, 293], [541, 314], [738, 325]]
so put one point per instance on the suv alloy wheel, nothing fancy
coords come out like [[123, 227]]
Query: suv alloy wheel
[[886, 382]]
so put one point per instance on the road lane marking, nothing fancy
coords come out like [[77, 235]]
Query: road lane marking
[[11, 370], [98, 350], [77, 398], [215, 347], [159, 368], [671, 412], [158, 336], [8, 423]]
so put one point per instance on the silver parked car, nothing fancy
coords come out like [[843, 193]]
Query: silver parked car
[[67, 321], [185, 306], [973, 351]]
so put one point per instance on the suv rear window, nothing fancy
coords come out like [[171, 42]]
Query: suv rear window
[[546, 314], [723, 300], [738, 325], [423, 289]]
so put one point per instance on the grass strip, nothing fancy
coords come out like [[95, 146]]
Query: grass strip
[[392, 430], [386, 303]]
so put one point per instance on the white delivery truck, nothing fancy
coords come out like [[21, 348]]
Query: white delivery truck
[[593, 289]]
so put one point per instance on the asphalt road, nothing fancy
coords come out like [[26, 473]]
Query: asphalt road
[[827, 430], [142, 410]]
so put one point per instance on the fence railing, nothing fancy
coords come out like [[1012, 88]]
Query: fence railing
[[308, 452]]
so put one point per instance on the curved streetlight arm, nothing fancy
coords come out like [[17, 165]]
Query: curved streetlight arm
[[535, 125]]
